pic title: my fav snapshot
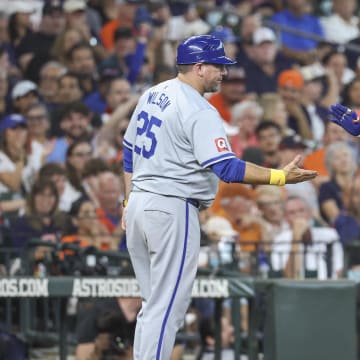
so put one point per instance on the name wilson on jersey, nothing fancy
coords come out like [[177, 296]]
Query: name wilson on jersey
[[161, 100]]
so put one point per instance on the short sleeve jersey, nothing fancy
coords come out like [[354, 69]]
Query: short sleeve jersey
[[175, 136]]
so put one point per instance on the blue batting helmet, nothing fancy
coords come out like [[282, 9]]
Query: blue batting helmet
[[202, 49]]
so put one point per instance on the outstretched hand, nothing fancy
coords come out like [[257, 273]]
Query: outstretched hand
[[294, 174], [346, 118]]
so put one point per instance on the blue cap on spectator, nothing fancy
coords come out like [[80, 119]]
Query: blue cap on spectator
[[11, 121], [225, 34]]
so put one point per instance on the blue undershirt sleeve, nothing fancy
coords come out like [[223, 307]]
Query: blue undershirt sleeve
[[230, 170], [127, 160]]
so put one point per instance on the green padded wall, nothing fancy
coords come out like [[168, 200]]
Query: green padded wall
[[310, 320]]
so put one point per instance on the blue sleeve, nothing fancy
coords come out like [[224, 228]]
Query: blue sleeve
[[230, 170], [127, 160]]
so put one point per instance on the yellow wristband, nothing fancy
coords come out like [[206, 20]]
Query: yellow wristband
[[124, 203], [277, 177]]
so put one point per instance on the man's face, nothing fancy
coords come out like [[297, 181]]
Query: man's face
[[48, 84], [265, 52], [83, 62], [69, 89], [37, 122], [24, 102], [119, 92], [296, 209], [233, 90], [289, 94], [269, 140], [212, 75], [124, 46], [75, 125], [53, 23]]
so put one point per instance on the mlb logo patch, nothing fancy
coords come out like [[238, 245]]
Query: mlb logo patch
[[221, 144]]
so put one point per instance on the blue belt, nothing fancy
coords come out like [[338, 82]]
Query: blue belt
[[194, 202]]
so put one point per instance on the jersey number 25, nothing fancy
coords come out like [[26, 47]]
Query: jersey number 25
[[145, 128]]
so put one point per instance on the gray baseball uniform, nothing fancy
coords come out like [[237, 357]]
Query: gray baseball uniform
[[174, 135]]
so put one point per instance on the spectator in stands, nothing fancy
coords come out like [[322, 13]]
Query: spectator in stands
[[42, 220], [303, 250], [270, 201], [269, 136], [23, 95], [5, 44], [109, 194], [337, 62], [266, 63], [20, 31], [64, 42], [38, 48], [290, 146], [5, 103], [248, 25], [334, 195], [351, 94], [125, 17], [187, 24], [207, 336], [342, 25], [160, 51], [297, 46], [75, 124], [20, 159], [49, 76], [76, 17], [129, 52], [275, 110], [96, 100], [232, 91], [117, 94], [124, 310], [57, 174], [82, 62], [38, 123], [347, 224], [220, 245], [245, 115], [92, 170], [88, 231], [77, 154], [290, 88], [110, 146], [312, 101], [237, 205], [69, 89], [316, 159]]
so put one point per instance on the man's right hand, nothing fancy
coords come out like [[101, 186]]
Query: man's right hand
[[294, 174], [346, 118]]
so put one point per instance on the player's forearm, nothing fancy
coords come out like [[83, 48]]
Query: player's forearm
[[256, 175]]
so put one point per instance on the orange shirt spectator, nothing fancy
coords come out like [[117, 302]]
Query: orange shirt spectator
[[107, 34], [235, 202]]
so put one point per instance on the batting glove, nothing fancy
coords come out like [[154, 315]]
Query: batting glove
[[345, 117]]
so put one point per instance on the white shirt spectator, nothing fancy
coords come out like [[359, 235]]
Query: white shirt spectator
[[30, 170], [67, 198], [338, 30], [315, 255]]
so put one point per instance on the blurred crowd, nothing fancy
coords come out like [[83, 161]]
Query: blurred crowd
[[71, 73]]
